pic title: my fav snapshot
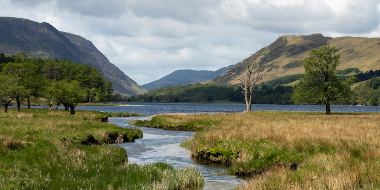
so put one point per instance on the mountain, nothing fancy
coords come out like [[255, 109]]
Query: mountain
[[284, 56], [45, 41], [183, 77]]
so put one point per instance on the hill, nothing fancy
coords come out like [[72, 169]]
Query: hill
[[45, 41], [183, 77], [284, 56]]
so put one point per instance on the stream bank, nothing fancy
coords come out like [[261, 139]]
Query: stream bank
[[160, 145]]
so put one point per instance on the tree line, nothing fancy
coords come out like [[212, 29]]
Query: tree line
[[203, 93], [274, 91], [58, 82]]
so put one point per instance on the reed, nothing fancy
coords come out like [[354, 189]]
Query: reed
[[291, 150]]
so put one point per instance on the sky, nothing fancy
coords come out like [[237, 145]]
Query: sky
[[149, 39]]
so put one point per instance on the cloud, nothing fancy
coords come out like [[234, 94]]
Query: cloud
[[149, 39], [94, 8]]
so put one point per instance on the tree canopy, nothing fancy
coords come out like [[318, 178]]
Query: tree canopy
[[58, 81], [321, 83]]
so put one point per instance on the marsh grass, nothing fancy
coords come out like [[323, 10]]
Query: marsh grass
[[127, 114], [43, 149], [178, 122], [291, 150]]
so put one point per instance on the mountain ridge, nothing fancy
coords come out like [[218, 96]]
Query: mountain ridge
[[183, 77], [45, 41], [283, 57]]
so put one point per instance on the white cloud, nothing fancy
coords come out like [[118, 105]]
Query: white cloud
[[148, 39]]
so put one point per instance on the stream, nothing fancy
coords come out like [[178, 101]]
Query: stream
[[160, 145]]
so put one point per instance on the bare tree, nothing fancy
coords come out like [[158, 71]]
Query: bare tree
[[249, 78]]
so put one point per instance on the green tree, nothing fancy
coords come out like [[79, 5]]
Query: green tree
[[51, 70], [373, 98], [374, 83], [67, 93], [210, 98], [22, 73], [321, 83], [50, 92], [100, 95], [108, 91], [92, 97], [6, 88]]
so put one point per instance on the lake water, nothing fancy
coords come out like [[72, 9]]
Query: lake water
[[164, 146], [158, 108]]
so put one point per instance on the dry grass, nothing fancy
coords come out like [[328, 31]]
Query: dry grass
[[8, 143], [328, 152]]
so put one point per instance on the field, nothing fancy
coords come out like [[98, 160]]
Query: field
[[43, 149], [288, 150]]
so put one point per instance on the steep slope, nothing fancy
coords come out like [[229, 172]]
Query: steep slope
[[45, 41], [183, 77], [284, 56], [92, 56], [36, 39]]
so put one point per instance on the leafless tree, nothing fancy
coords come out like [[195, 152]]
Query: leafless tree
[[249, 78]]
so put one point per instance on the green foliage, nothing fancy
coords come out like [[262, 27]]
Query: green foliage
[[368, 95], [348, 71], [108, 91], [215, 93], [7, 89], [58, 81], [100, 95], [22, 74], [367, 75], [374, 83], [321, 83]]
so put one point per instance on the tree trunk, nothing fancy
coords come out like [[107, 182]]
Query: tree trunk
[[328, 111], [248, 98], [248, 106], [72, 110], [6, 108], [66, 106], [28, 103], [18, 104]]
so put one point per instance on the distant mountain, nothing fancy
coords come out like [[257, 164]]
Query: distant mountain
[[183, 77], [284, 56], [45, 41]]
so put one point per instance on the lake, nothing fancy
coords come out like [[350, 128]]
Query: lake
[[159, 108]]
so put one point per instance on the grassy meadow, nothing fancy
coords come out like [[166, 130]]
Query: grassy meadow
[[288, 150], [41, 149]]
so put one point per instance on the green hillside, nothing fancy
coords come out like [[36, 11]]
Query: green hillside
[[44, 41], [283, 57]]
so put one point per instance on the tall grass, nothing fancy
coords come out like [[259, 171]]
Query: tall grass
[[43, 149], [291, 150]]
